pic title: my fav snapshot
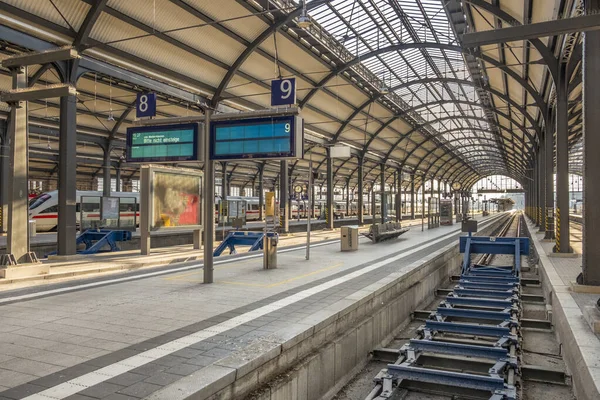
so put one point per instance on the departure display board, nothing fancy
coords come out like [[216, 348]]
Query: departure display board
[[257, 138], [162, 144]]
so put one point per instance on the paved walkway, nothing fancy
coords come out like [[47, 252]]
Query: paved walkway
[[581, 344], [129, 337], [111, 263]]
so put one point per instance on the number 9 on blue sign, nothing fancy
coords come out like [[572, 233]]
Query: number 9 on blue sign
[[283, 92], [146, 105]]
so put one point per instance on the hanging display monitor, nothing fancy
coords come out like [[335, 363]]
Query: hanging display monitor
[[163, 143], [257, 138]]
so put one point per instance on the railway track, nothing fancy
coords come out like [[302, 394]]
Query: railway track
[[486, 336]]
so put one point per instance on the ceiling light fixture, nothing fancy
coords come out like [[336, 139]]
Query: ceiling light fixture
[[304, 20]]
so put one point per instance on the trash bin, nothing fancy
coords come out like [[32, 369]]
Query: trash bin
[[270, 249], [349, 238], [32, 227]]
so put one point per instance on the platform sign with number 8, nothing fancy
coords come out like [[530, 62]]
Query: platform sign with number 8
[[283, 92], [145, 105]]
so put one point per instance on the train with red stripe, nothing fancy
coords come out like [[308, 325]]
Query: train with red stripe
[[44, 208]]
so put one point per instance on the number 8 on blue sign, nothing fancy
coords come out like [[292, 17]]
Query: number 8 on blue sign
[[283, 92], [145, 105]]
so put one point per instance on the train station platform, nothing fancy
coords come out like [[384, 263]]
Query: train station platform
[[166, 336], [45, 243], [128, 260], [572, 313]]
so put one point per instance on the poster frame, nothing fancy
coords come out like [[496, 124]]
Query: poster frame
[[147, 196]]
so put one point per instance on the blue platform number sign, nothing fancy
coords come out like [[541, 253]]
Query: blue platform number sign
[[283, 92], [146, 105]]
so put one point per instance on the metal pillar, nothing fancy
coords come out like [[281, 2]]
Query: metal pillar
[[398, 180], [261, 192], [18, 239], [536, 174], [4, 176], [224, 181], [360, 199], [208, 220], [542, 185], [118, 179], [329, 191], [412, 196], [591, 161], [67, 177], [348, 196], [373, 206], [382, 190], [284, 196], [549, 184], [423, 197], [106, 173], [562, 165]]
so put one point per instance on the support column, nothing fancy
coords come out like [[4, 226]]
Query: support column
[[224, 181], [118, 179], [360, 199], [261, 192], [549, 184], [562, 165], [208, 220], [18, 217], [591, 144], [382, 190], [106, 173], [329, 191], [398, 195], [284, 196], [373, 205], [67, 176], [536, 192], [542, 185], [412, 196], [423, 197], [347, 196], [4, 176]]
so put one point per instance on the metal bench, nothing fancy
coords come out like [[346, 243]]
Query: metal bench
[[385, 231]]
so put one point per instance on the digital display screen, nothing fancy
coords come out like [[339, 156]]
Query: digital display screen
[[274, 137], [167, 143]]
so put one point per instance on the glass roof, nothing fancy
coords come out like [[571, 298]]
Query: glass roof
[[363, 26]]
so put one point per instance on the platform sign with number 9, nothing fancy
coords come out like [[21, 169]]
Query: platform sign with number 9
[[145, 105], [283, 92]]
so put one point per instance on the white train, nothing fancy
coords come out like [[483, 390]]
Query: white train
[[44, 208]]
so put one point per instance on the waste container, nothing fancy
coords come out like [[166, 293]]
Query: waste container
[[349, 238], [32, 227], [270, 249]]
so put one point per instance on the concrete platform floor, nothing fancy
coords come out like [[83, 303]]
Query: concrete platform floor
[[127, 260], [128, 337], [582, 345]]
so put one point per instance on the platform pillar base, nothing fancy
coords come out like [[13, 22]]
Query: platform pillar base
[[23, 270]]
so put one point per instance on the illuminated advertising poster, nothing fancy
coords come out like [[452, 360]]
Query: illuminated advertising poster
[[176, 200]]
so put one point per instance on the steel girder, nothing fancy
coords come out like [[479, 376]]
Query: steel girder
[[532, 31], [549, 59], [234, 68]]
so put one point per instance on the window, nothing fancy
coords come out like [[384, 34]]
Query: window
[[38, 201], [49, 210]]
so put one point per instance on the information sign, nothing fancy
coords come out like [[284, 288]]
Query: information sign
[[283, 92], [145, 105], [110, 208], [163, 143], [257, 138]]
